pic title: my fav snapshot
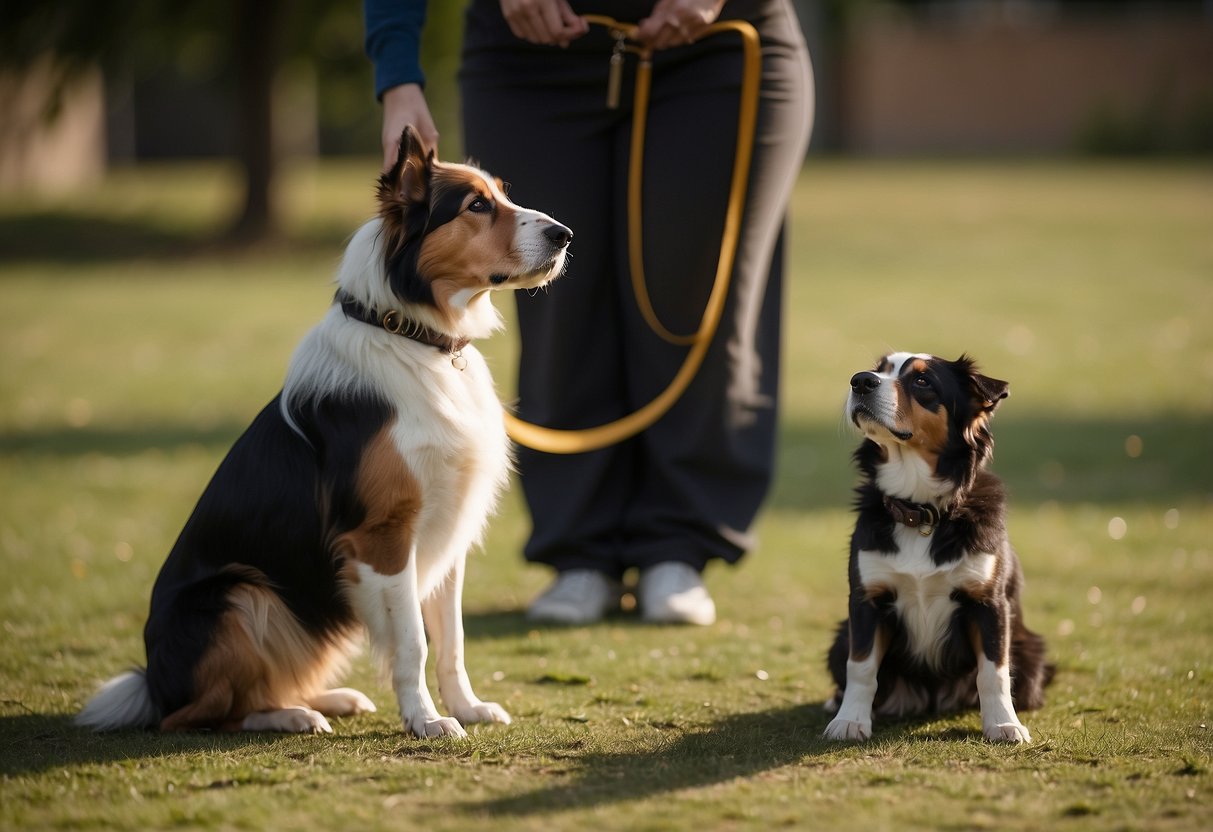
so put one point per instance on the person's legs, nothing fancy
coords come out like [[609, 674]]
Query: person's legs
[[549, 135], [688, 489]]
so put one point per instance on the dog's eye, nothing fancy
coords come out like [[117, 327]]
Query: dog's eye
[[922, 381], [480, 205]]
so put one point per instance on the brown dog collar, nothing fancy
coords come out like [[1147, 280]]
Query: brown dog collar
[[394, 322], [921, 516]]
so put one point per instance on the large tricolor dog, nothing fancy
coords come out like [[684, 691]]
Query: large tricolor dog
[[353, 498], [935, 622]]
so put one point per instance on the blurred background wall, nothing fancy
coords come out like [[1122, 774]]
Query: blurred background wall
[[1028, 78], [89, 83]]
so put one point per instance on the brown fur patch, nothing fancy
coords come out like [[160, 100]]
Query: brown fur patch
[[875, 590], [392, 497], [260, 658], [929, 429], [985, 591], [406, 181], [981, 422], [463, 253]]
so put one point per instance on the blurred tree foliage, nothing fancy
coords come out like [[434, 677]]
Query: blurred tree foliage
[[245, 48]]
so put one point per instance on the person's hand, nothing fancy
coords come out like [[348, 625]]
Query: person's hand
[[402, 106], [677, 22], [549, 22]]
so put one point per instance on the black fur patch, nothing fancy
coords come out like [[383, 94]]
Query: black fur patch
[[304, 495]]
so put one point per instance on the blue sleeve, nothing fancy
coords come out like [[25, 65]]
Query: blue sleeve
[[393, 41]]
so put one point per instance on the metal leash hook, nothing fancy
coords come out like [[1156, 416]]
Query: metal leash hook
[[615, 73]]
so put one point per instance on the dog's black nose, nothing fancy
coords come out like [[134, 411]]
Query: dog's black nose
[[558, 234], [864, 382]]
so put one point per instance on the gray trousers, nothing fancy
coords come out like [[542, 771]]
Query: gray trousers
[[687, 489]]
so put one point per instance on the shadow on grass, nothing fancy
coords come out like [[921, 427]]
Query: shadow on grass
[[60, 237], [66, 237], [1040, 459], [735, 747], [115, 441], [479, 626], [34, 743]]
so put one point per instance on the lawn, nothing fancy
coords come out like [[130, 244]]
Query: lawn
[[133, 350]]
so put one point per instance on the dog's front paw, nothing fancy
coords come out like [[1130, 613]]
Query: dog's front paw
[[1007, 732], [482, 712], [848, 730], [443, 726]]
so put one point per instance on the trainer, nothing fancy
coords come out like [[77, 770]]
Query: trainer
[[535, 78]]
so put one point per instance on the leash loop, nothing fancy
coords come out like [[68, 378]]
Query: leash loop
[[556, 441]]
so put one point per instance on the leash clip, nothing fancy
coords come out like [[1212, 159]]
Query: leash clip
[[615, 74]]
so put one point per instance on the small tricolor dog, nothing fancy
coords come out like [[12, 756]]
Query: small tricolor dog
[[935, 622], [353, 498]]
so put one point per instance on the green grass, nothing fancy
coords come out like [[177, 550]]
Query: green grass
[[133, 350]]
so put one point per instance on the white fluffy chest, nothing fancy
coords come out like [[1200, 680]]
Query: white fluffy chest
[[450, 432], [921, 588], [447, 426], [908, 475]]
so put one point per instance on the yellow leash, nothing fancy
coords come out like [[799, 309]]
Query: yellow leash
[[555, 441]]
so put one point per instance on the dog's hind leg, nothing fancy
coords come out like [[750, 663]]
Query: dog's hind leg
[[259, 670], [297, 720], [210, 710], [341, 702], [443, 613]]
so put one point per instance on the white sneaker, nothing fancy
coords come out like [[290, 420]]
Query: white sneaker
[[578, 596], [673, 593]]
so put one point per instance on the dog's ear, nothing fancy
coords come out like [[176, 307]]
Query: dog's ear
[[408, 181], [986, 392], [989, 391]]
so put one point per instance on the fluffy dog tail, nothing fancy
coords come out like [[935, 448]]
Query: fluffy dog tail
[[122, 702]]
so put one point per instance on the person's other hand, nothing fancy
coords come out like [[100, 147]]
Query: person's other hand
[[402, 106], [549, 22], [677, 22]]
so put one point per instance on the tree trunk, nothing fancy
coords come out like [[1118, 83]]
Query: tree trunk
[[258, 26]]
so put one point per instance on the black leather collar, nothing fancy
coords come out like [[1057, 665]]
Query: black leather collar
[[394, 322], [921, 516]]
